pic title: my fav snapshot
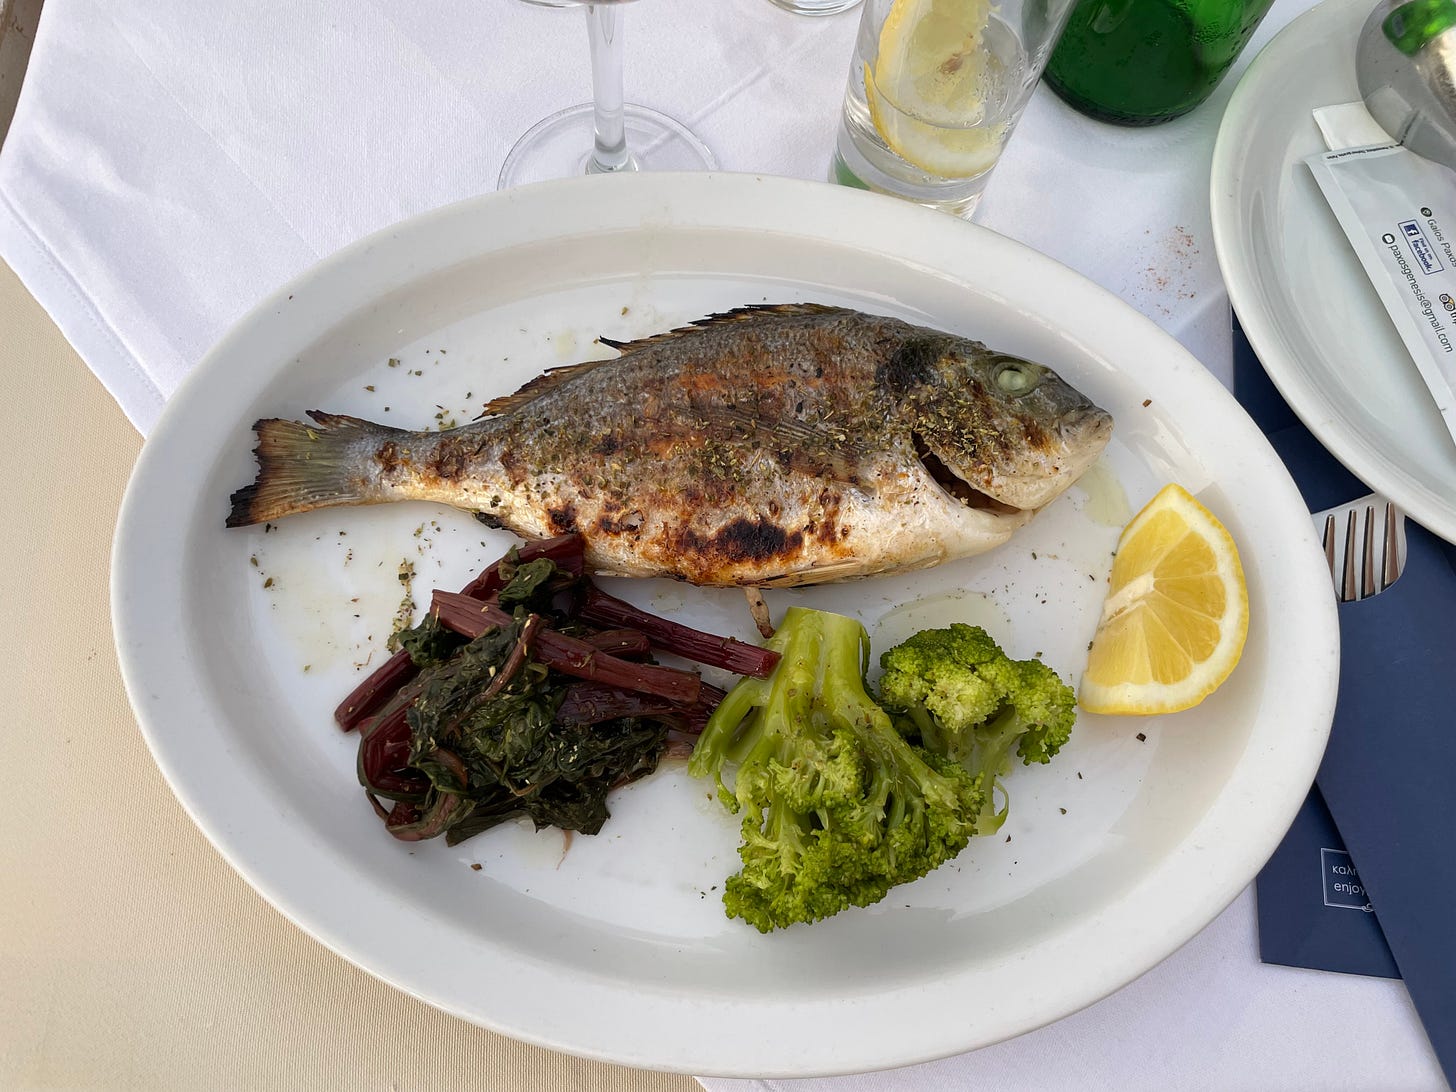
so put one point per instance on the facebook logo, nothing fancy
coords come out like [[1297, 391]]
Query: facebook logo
[[1420, 247]]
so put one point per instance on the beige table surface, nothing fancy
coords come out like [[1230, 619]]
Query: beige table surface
[[131, 955]]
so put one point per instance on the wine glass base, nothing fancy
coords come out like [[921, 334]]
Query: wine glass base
[[561, 145], [816, 7]]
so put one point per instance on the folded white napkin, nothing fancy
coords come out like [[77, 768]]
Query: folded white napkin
[[164, 171], [167, 167]]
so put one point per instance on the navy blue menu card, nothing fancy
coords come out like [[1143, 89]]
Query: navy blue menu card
[[1365, 881]]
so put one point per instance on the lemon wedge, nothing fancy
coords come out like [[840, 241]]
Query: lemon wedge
[[927, 90], [1176, 614]]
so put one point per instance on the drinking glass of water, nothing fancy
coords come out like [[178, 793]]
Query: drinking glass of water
[[935, 89], [606, 135]]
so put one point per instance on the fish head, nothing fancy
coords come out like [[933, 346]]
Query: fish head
[[991, 427]]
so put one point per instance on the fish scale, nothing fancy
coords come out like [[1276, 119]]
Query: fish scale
[[772, 445]]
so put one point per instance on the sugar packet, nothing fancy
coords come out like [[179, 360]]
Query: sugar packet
[[1398, 210]]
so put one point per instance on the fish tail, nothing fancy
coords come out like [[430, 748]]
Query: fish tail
[[303, 466]]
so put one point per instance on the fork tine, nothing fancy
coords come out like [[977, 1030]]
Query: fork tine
[[1367, 565], [1348, 592], [1355, 570], [1391, 569]]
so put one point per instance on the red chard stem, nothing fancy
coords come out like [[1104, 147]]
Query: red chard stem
[[692, 644], [568, 655]]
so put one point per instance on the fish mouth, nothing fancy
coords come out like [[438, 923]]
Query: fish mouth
[[956, 486], [1081, 436]]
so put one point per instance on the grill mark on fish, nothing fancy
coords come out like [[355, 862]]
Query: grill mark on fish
[[562, 519], [826, 528], [450, 460], [739, 540], [1036, 436], [630, 524], [387, 457]]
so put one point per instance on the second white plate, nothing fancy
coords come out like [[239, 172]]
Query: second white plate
[[1301, 295]]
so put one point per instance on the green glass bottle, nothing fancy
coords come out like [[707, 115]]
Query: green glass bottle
[[1139, 62], [1411, 27]]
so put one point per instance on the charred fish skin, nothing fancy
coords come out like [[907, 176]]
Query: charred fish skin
[[777, 445]]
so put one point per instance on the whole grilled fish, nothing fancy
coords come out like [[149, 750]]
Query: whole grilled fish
[[777, 445]]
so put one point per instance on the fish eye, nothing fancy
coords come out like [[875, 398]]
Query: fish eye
[[1016, 377]]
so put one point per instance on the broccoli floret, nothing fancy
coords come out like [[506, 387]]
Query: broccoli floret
[[838, 807], [961, 696]]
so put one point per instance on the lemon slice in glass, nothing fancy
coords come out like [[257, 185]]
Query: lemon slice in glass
[[1176, 614], [927, 89]]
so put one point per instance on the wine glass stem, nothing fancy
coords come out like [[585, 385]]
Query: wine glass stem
[[604, 26]]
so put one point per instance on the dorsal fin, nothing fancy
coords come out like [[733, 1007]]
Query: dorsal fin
[[553, 378], [544, 383], [749, 313]]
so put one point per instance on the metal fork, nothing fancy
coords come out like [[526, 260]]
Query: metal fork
[[1359, 565]]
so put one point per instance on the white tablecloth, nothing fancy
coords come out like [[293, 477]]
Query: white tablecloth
[[168, 166]]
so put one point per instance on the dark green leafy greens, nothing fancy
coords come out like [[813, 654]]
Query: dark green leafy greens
[[517, 758], [508, 702], [429, 643]]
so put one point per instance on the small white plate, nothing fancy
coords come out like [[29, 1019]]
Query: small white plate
[[235, 645], [1301, 295]]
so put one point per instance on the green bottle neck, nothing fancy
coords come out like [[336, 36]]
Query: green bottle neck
[[1411, 26]]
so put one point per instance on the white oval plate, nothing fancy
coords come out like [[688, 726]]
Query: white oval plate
[[236, 645], [1304, 301]]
